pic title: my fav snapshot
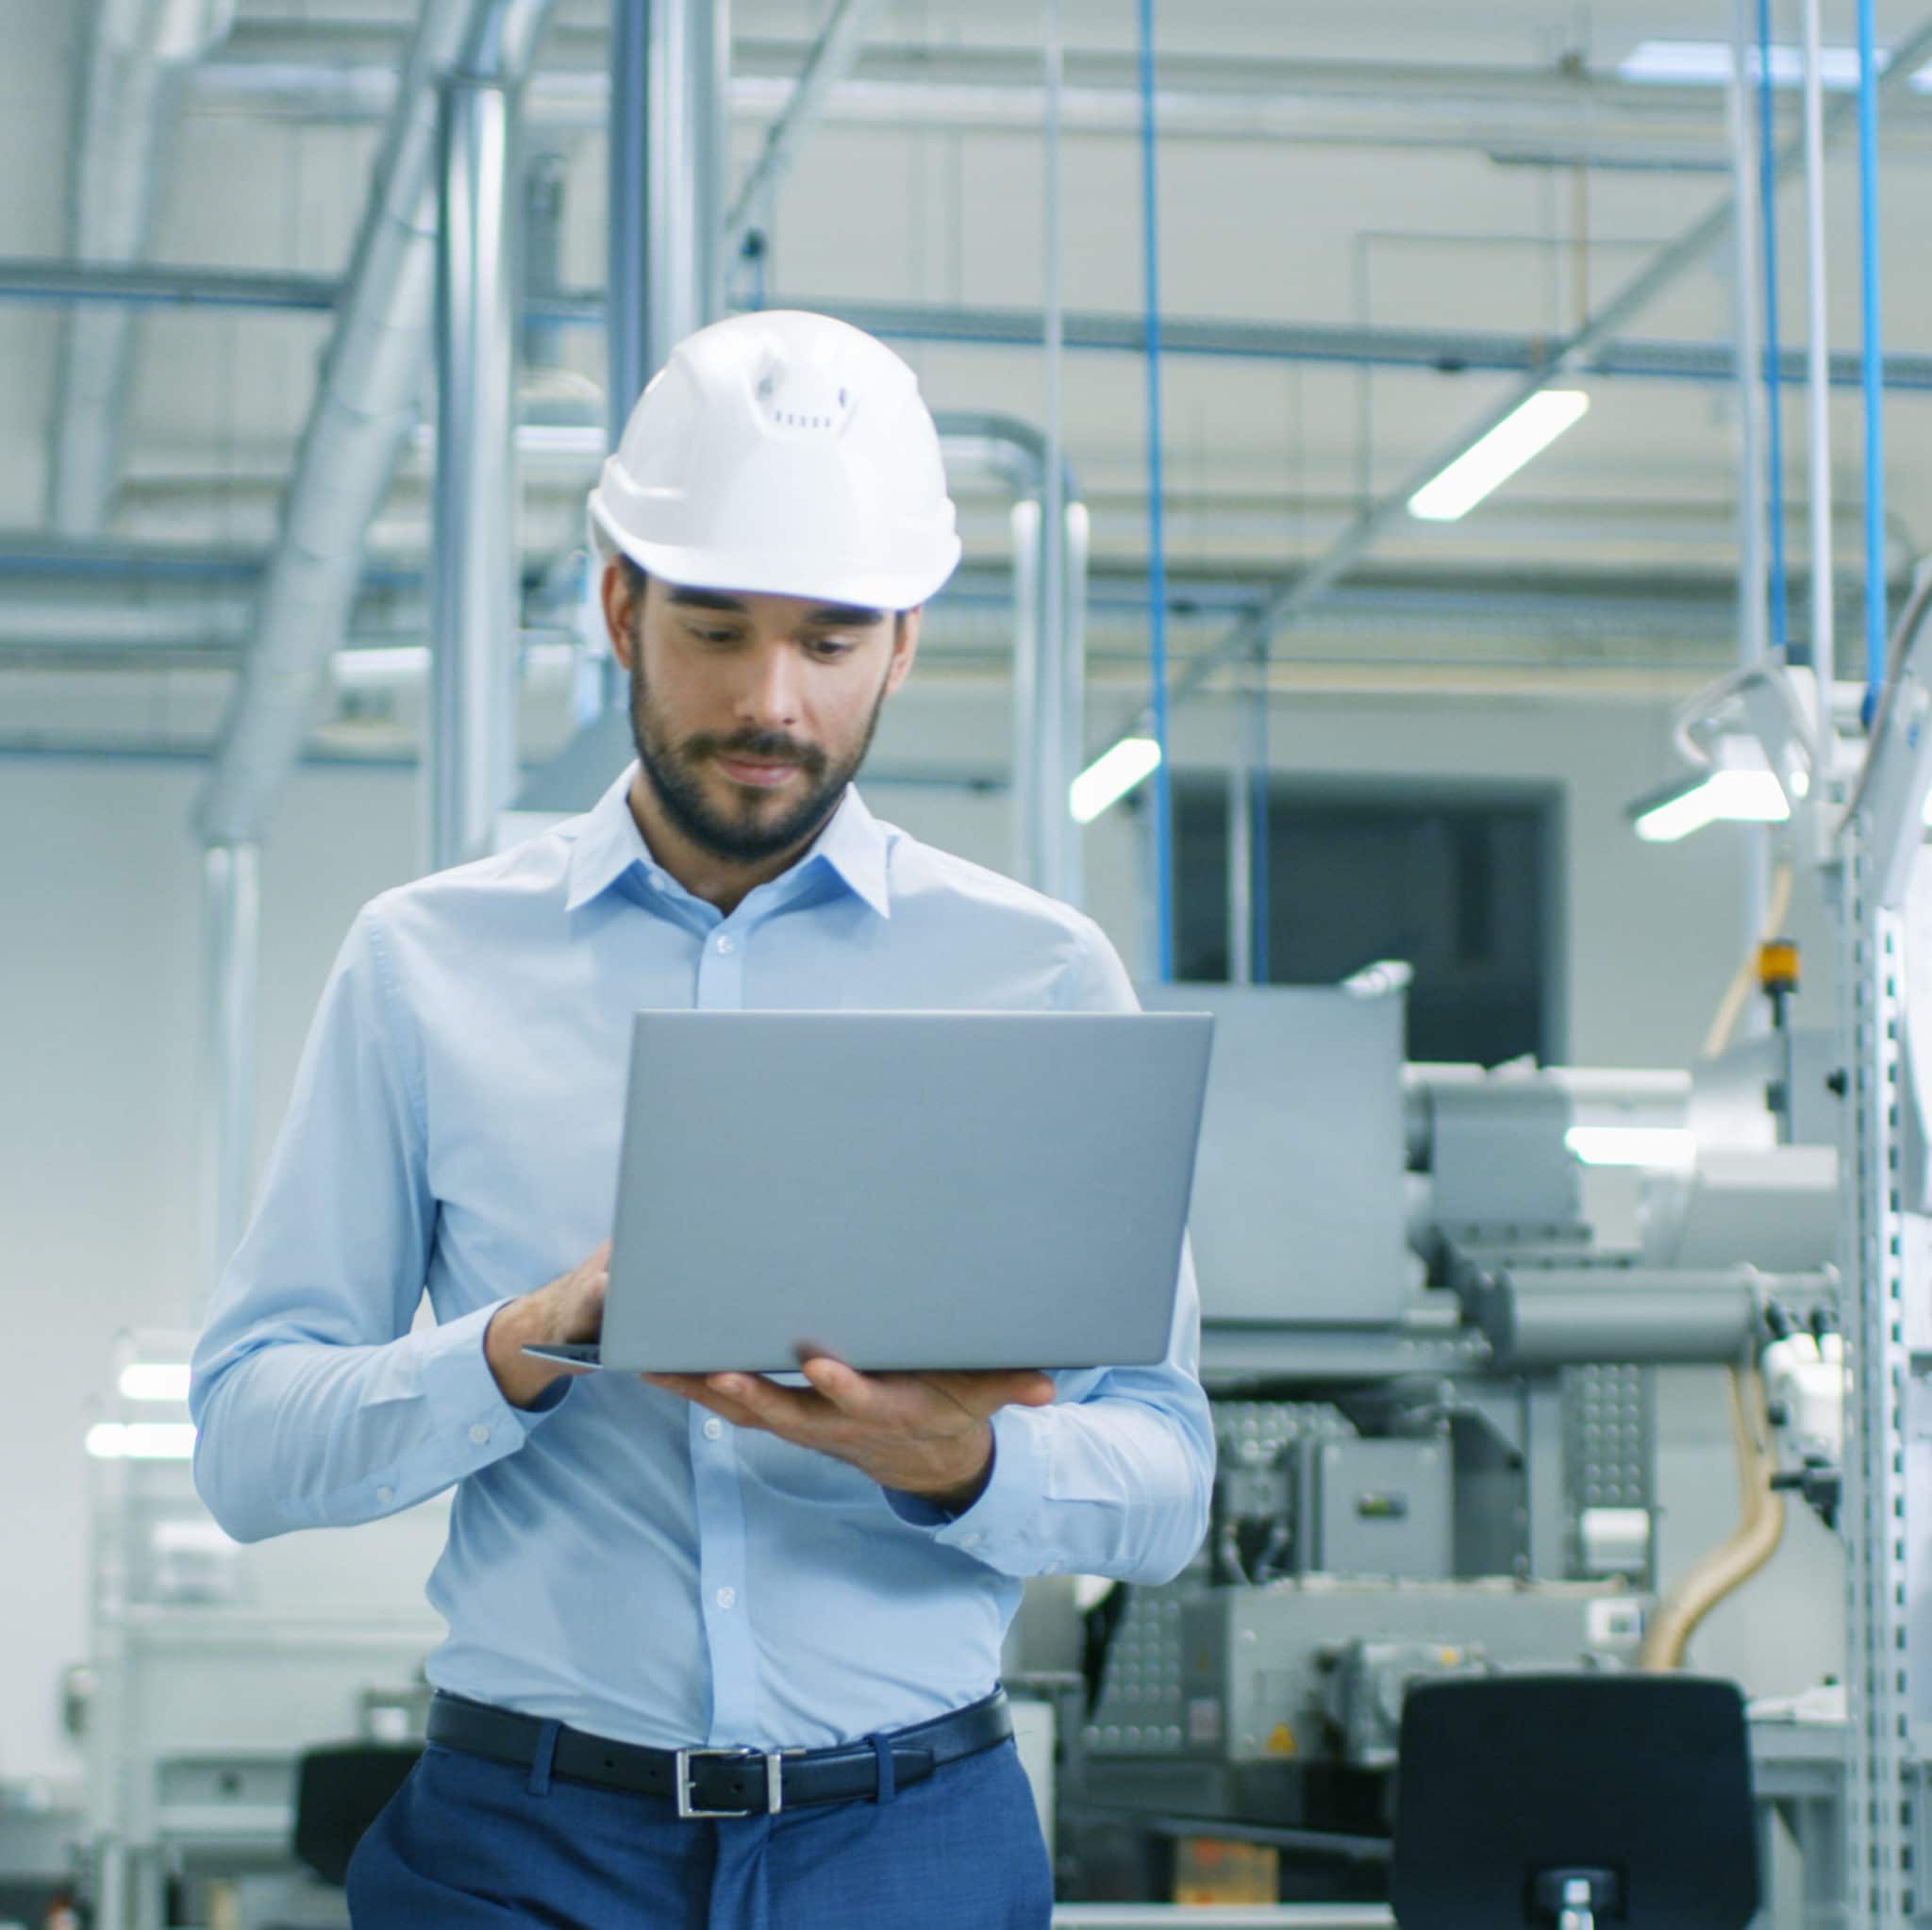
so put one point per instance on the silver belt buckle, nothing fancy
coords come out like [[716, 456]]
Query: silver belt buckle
[[775, 1786]]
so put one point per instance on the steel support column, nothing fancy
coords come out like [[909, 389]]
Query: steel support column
[[470, 766]]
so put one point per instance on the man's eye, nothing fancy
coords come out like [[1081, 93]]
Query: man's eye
[[718, 636], [833, 646]]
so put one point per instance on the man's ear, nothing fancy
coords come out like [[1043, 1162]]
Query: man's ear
[[904, 646], [620, 612]]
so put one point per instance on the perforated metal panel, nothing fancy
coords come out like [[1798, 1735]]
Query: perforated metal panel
[[1608, 1417], [1140, 1712]]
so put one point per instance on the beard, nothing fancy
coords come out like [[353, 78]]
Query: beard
[[741, 833]]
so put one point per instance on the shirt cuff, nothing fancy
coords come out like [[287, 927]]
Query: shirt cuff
[[1001, 1528], [463, 1395]]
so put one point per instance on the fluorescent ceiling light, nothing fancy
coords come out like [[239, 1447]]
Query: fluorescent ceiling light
[[141, 1441], [1519, 436], [1651, 1146], [154, 1381], [1111, 776], [1708, 63], [1737, 797]]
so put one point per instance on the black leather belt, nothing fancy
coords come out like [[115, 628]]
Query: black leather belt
[[725, 1782]]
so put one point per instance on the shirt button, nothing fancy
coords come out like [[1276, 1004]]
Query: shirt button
[[726, 1597], [726, 943], [713, 1428], [479, 1434], [385, 1495]]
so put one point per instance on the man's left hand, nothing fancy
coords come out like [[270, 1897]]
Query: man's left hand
[[924, 1434]]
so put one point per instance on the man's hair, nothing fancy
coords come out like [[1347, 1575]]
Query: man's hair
[[636, 578]]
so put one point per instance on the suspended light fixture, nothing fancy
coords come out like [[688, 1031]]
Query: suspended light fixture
[[141, 1441], [1520, 436], [1708, 63], [1734, 797], [155, 1380], [1111, 776]]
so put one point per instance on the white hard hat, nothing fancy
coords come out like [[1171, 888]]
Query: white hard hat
[[786, 453]]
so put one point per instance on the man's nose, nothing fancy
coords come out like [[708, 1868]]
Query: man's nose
[[769, 695]]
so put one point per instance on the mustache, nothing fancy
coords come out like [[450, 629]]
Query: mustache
[[768, 746]]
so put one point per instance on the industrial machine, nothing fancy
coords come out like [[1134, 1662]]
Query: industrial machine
[[1435, 1299]]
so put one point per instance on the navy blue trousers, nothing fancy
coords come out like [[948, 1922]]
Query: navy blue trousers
[[469, 1843]]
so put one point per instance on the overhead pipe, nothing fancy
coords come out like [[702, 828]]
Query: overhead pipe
[[474, 574], [365, 406], [667, 128], [135, 68], [1049, 644]]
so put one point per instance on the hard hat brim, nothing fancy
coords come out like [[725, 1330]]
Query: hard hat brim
[[776, 571]]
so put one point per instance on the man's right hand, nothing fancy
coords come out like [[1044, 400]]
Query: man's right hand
[[570, 1308]]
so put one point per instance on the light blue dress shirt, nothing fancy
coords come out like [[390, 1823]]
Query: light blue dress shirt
[[619, 1559]]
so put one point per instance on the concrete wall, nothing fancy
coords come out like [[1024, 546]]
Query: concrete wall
[[99, 1017]]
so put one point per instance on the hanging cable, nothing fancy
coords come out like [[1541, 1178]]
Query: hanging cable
[[1874, 392], [1056, 812], [1773, 368], [1156, 534], [1259, 907], [1816, 348]]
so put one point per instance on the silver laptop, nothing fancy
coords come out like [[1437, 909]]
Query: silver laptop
[[901, 1190]]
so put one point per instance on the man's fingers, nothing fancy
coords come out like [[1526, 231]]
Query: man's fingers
[[784, 1411], [850, 1391]]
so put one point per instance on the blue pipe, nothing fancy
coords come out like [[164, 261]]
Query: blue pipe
[[1780, 625], [1874, 368], [1156, 535], [1258, 786]]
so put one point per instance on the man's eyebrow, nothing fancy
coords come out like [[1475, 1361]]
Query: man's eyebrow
[[843, 616], [707, 599]]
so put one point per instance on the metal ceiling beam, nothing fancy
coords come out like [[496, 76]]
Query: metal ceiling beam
[[1572, 355], [130, 95], [1526, 114], [824, 68], [1443, 351]]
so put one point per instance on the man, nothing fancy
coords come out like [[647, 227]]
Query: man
[[641, 1579]]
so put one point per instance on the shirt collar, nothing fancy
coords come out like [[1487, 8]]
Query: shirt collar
[[609, 845]]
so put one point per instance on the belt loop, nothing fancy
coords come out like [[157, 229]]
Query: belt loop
[[546, 1754], [882, 1750]]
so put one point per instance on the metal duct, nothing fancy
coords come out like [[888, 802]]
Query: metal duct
[[667, 129], [472, 745], [1049, 645], [365, 406], [130, 99]]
